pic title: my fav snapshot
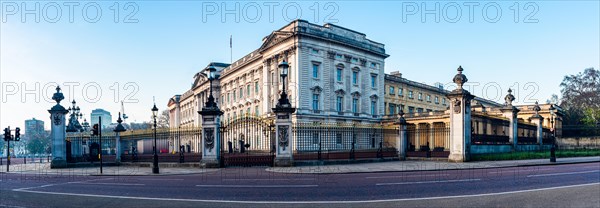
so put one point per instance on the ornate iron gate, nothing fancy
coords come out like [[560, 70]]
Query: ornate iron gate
[[247, 141]]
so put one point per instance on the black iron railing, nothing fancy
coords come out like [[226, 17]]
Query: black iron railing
[[343, 141]]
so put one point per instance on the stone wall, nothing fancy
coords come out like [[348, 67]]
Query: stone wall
[[579, 142], [486, 149]]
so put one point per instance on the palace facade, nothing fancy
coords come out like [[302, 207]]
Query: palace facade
[[336, 74]]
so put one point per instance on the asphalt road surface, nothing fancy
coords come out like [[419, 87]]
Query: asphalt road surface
[[570, 185]]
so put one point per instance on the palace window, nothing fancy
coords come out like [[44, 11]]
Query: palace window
[[420, 96], [338, 56], [248, 90], [411, 109], [428, 98], [443, 101], [234, 97], [355, 105], [256, 88], [400, 93], [339, 73], [374, 81], [315, 102], [437, 100], [392, 109], [392, 90], [373, 107], [256, 111], [339, 104], [315, 70], [228, 97], [314, 51], [410, 94], [354, 60], [419, 110]]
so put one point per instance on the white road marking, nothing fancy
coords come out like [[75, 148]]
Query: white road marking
[[569, 173], [160, 179], [410, 176], [116, 184], [515, 171], [256, 186], [307, 202], [423, 182], [269, 179]]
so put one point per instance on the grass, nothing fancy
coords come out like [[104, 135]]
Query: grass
[[534, 155]]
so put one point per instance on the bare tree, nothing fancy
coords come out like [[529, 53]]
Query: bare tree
[[163, 119]]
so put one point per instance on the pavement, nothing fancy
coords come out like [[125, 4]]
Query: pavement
[[391, 166], [419, 165]]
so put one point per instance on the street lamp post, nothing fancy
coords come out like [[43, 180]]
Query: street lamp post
[[283, 111], [155, 156], [553, 148], [211, 155]]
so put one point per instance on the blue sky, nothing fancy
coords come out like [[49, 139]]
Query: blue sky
[[172, 40]]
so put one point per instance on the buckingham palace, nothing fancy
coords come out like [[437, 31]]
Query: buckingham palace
[[335, 75]]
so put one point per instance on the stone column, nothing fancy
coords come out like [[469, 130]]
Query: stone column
[[431, 137], [402, 139], [118, 129], [58, 132], [417, 138], [460, 120], [283, 127], [118, 147], [211, 143], [509, 111], [538, 121]]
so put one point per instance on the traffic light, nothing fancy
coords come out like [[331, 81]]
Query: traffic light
[[6, 134], [17, 134], [95, 130]]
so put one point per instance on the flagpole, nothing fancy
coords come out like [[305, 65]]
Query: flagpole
[[231, 49]]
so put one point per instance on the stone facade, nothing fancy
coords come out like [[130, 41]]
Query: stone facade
[[336, 74]]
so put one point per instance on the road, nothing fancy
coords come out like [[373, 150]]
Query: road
[[569, 185]]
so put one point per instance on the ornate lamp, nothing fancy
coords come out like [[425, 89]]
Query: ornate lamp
[[283, 102], [155, 156]]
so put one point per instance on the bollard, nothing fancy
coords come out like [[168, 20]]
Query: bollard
[[40, 160], [552, 154], [24, 160], [48, 158], [1, 161]]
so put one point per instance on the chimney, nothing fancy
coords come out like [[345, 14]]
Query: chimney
[[396, 74]]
